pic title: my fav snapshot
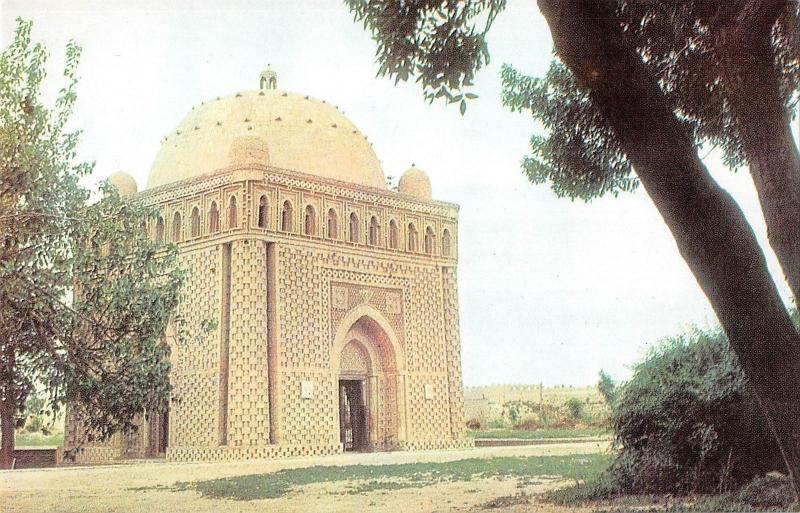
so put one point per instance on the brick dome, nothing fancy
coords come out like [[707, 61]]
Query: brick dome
[[124, 183], [270, 127], [415, 182]]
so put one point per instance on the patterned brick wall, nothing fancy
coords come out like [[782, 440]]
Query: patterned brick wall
[[414, 376], [195, 354], [248, 413], [453, 340]]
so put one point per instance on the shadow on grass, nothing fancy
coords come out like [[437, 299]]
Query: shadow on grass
[[768, 493], [370, 478]]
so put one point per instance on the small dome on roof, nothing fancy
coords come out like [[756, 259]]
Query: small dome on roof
[[415, 182], [124, 183]]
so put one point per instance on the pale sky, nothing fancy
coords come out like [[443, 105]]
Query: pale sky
[[550, 290]]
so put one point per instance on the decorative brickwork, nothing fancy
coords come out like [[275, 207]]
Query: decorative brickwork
[[195, 372], [248, 417], [301, 309]]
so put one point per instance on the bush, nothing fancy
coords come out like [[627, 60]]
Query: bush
[[474, 424], [767, 492], [688, 422], [574, 409], [496, 424], [528, 422]]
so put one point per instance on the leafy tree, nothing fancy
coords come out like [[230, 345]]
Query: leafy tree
[[638, 86], [85, 296]]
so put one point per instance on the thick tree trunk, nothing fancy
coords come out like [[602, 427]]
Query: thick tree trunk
[[8, 410], [709, 229], [743, 45]]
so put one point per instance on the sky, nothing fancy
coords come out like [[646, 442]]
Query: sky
[[550, 290]]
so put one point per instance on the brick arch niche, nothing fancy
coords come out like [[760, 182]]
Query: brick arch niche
[[366, 355]]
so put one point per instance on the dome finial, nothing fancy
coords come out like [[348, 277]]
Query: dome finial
[[269, 79]]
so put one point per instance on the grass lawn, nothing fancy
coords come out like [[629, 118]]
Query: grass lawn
[[369, 478], [38, 439], [540, 434]]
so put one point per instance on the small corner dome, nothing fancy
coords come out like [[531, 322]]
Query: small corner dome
[[415, 182], [124, 183]]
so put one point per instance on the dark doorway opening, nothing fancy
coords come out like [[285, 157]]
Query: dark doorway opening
[[352, 415]]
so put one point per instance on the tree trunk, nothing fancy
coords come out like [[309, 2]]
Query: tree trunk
[[709, 229], [751, 79], [8, 410]]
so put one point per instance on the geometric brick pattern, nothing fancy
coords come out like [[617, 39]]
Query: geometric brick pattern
[[412, 368], [248, 404], [195, 354]]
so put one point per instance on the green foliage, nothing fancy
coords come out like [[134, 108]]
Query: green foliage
[[687, 421], [26, 439], [578, 155], [541, 433], [35, 420], [607, 388], [84, 294], [766, 493], [565, 413], [389, 477], [574, 408], [443, 44]]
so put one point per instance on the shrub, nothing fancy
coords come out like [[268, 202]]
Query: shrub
[[574, 408], [687, 421], [607, 388], [767, 492], [496, 424], [528, 423], [474, 424]]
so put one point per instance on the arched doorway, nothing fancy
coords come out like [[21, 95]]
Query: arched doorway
[[369, 379], [354, 373]]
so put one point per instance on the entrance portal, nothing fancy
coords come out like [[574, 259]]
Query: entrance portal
[[368, 376], [352, 415]]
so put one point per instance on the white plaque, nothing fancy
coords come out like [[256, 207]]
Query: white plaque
[[306, 389]]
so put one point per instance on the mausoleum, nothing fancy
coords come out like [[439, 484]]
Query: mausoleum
[[334, 297]]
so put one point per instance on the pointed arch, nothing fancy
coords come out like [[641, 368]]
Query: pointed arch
[[213, 218], [374, 231], [286, 217], [446, 242], [394, 236], [194, 222], [233, 214], [333, 230], [411, 238], [366, 333], [430, 240], [310, 221], [177, 228], [366, 311], [263, 212], [354, 231], [160, 232]]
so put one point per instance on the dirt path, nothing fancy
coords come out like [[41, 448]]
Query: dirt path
[[132, 487]]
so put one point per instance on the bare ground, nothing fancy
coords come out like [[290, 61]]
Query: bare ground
[[144, 486]]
